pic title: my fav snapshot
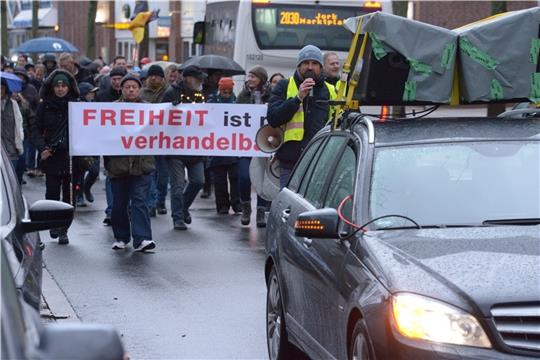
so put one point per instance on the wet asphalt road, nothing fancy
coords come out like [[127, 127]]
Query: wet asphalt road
[[200, 295]]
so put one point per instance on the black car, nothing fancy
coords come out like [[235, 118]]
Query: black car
[[416, 239]]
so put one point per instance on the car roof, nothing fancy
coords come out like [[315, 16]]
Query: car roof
[[454, 129]]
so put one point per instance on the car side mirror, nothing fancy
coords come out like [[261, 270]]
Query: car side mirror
[[79, 341], [48, 214], [320, 223]]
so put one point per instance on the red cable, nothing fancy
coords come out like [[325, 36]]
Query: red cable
[[342, 217]]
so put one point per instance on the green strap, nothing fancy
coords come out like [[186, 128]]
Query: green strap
[[535, 49], [420, 67], [448, 55], [377, 46], [409, 93], [535, 87], [477, 55], [496, 90]]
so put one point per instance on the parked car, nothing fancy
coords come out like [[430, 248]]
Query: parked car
[[19, 227], [25, 337], [415, 239]]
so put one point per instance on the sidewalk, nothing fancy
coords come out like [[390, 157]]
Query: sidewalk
[[55, 307]]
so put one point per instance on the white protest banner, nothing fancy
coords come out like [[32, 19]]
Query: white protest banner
[[164, 129]]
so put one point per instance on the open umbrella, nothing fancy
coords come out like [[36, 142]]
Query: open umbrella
[[163, 64], [14, 83], [46, 45], [229, 67]]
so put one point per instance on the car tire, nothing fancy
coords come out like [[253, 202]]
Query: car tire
[[360, 347], [279, 347]]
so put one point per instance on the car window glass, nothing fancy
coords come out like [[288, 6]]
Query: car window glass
[[342, 183], [323, 166], [4, 202], [296, 177]]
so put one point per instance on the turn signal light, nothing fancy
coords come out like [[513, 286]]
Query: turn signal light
[[308, 225]]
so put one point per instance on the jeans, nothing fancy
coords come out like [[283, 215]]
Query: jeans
[[92, 174], [29, 154], [108, 196], [162, 178], [284, 175], [245, 183], [129, 216], [225, 177], [182, 196], [151, 197]]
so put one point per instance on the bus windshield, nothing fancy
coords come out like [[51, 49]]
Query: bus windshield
[[282, 26]]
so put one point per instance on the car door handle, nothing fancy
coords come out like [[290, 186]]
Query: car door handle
[[285, 214]]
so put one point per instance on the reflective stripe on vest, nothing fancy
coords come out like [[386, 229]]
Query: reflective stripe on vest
[[294, 128]]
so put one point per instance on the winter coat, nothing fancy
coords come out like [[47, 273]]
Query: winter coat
[[107, 95], [281, 110], [177, 93], [50, 130], [84, 75], [247, 96], [222, 160], [122, 166], [18, 131], [154, 96]]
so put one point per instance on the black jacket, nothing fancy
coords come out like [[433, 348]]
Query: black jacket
[[281, 110], [176, 94], [50, 129], [108, 95], [84, 75]]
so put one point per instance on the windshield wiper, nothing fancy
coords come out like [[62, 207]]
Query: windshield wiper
[[528, 221]]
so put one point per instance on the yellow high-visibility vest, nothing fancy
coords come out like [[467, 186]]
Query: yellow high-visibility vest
[[294, 128]]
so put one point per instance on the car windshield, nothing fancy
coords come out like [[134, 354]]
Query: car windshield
[[459, 183]]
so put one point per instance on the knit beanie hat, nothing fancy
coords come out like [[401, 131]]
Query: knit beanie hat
[[225, 83], [60, 78], [310, 52], [130, 77], [259, 72], [118, 71], [155, 70]]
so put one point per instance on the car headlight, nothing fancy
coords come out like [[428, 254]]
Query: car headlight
[[418, 317]]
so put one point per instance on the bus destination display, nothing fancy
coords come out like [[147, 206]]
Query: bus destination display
[[318, 18]]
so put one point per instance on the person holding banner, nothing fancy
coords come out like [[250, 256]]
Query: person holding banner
[[188, 90], [50, 136], [256, 91], [296, 106], [130, 184]]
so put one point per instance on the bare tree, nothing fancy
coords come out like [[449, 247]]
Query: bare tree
[[91, 29]]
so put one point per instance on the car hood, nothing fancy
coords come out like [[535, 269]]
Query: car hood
[[472, 268]]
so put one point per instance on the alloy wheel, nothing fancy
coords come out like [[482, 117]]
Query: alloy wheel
[[273, 318]]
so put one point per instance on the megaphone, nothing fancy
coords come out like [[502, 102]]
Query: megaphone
[[269, 139]]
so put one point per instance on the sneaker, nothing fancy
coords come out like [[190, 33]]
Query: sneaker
[[261, 218], [187, 217], [179, 225], [246, 214], [161, 209], [107, 221], [145, 245], [55, 233], [152, 212], [237, 208], [80, 201], [119, 245], [63, 239]]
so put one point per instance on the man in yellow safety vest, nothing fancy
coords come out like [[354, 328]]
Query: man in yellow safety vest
[[295, 106]]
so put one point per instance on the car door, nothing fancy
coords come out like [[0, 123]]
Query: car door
[[309, 196], [323, 277]]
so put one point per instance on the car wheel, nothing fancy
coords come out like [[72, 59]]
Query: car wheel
[[360, 345], [279, 347]]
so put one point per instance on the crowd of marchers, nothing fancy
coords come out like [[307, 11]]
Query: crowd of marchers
[[35, 135]]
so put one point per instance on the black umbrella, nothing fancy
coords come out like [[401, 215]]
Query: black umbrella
[[46, 45], [228, 66]]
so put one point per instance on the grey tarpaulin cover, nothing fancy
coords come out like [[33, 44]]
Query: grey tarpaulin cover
[[499, 56], [430, 50]]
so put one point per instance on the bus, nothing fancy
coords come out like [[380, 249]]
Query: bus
[[270, 33]]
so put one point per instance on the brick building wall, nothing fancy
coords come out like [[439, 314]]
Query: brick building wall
[[453, 14], [72, 17]]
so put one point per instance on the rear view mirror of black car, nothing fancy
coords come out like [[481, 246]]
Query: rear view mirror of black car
[[321, 223], [48, 214], [80, 341]]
